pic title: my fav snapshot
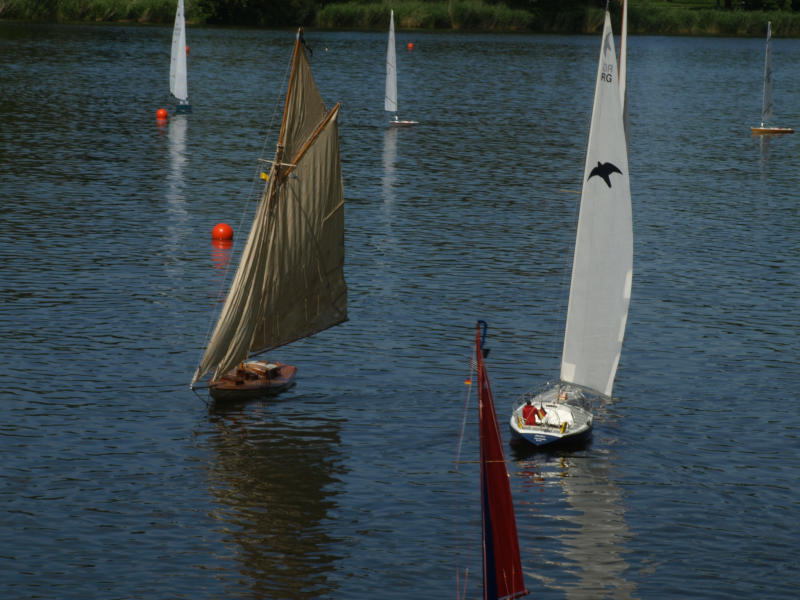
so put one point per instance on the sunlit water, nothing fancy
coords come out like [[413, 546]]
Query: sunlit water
[[118, 482]]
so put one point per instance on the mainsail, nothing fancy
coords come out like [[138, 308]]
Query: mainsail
[[290, 281], [602, 267], [390, 102], [178, 85], [502, 568], [766, 106]]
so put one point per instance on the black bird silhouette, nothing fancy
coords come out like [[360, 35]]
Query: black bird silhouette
[[604, 171]]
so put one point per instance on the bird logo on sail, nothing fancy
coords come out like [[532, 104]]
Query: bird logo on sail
[[604, 171]]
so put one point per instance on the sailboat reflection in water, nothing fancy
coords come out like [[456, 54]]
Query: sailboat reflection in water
[[290, 281]]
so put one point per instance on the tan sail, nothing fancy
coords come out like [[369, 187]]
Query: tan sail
[[290, 281]]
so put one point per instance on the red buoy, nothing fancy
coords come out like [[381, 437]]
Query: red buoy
[[161, 113], [222, 231], [410, 45]]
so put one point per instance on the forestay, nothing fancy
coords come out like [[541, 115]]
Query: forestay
[[603, 261], [290, 281]]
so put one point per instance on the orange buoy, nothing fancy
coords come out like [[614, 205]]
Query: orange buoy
[[161, 113], [410, 45], [187, 49], [222, 231]]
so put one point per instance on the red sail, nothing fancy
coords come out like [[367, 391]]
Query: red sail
[[502, 569]]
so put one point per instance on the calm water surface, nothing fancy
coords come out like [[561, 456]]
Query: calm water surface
[[118, 482]]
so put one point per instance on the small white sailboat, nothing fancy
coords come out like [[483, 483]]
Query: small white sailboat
[[390, 101], [178, 84], [766, 105], [289, 284], [602, 272]]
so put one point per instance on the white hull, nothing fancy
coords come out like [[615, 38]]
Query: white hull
[[564, 420], [402, 123]]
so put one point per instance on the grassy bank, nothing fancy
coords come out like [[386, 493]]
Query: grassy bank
[[698, 17], [69, 11], [655, 17]]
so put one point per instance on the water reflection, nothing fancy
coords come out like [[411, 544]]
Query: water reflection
[[389, 157], [270, 476], [592, 529], [221, 253], [176, 132]]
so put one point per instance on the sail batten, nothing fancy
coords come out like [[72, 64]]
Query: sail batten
[[603, 260], [290, 281]]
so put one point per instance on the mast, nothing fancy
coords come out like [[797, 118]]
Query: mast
[[623, 70]]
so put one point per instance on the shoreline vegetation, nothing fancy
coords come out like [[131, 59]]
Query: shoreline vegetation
[[653, 17]]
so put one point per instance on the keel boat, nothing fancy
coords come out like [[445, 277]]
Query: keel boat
[[289, 284], [602, 271]]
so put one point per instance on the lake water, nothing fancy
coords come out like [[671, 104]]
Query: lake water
[[118, 482]]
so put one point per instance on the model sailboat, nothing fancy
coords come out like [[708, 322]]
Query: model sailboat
[[766, 105], [602, 271], [178, 85], [502, 568], [390, 101], [290, 281]]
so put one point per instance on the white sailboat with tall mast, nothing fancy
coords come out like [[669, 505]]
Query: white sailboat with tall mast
[[390, 100], [178, 78], [290, 280], [766, 104], [602, 272]]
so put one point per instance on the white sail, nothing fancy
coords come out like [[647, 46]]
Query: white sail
[[390, 102], [290, 281], [766, 107], [178, 85], [602, 267]]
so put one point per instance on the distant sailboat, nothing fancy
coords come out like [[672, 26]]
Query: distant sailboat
[[178, 85], [290, 281], [390, 101], [502, 567], [602, 272], [766, 105]]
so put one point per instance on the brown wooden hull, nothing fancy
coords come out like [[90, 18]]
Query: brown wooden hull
[[770, 130], [253, 379]]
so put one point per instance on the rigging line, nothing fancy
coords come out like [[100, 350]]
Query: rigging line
[[472, 366], [203, 400]]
